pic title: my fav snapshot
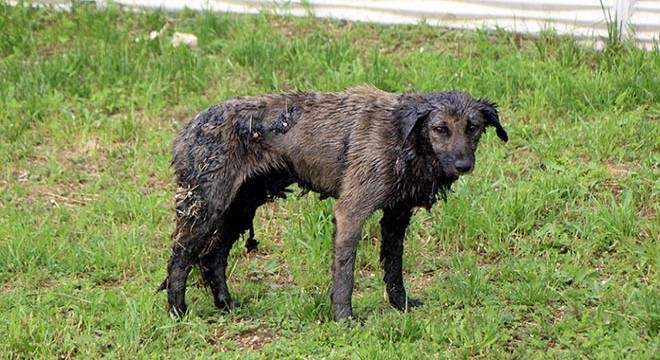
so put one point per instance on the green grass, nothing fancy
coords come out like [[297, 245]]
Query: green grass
[[549, 250]]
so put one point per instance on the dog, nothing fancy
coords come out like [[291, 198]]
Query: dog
[[366, 148]]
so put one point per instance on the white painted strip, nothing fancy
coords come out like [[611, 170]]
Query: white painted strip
[[584, 19]]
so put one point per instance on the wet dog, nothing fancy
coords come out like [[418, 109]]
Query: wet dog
[[367, 148]]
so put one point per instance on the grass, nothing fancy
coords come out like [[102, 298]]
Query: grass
[[549, 250]]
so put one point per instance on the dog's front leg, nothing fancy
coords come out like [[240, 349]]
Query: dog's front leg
[[393, 228], [349, 219]]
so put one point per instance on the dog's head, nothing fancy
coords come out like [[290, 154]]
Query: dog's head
[[447, 125]]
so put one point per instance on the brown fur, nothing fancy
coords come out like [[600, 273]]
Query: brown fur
[[367, 148]]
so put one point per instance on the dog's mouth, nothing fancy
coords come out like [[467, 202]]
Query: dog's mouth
[[445, 172], [464, 172], [449, 174], [452, 176], [452, 173]]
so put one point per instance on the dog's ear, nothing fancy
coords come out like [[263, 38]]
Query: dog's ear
[[489, 112], [408, 117]]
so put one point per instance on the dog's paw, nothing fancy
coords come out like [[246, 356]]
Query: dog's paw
[[343, 313], [413, 303], [402, 302], [227, 305], [177, 312]]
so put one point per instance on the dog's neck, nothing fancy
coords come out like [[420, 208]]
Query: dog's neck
[[421, 179]]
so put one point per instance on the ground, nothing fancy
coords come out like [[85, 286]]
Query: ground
[[549, 249]]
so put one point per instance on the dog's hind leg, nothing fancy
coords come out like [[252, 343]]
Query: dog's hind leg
[[236, 221], [393, 228], [213, 265], [189, 240]]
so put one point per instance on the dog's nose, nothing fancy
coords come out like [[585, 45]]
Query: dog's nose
[[463, 166]]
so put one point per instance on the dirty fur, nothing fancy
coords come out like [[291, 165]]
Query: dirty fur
[[367, 148]]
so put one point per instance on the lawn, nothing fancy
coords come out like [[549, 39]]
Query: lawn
[[550, 249]]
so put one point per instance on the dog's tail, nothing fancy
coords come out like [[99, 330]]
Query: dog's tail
[[163, 285]]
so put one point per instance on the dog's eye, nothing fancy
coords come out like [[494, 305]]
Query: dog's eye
[[443, 130], [472, 128]]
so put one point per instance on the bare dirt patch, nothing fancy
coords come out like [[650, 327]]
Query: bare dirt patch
[[616, 173], [7, 288], [250, 340], [619, 170], [255, 339]]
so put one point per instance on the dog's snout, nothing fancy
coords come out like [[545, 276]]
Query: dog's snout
[[463, 166]]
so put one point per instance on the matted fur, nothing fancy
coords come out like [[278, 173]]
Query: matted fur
[[367, 148]]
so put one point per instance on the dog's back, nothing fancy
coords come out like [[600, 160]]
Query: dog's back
[[309, 134]]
